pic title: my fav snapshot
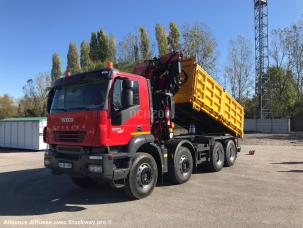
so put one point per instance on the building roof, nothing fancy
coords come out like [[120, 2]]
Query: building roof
[[24, 119]]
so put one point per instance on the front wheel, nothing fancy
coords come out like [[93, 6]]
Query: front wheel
[[142, 176]]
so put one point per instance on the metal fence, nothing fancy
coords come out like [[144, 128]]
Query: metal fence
[[267, 125]]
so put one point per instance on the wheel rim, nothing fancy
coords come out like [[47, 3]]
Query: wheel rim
[[231, 154], [218, 158], [184, 165], [144, 175]]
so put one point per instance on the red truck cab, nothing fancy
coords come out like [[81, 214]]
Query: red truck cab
[[96, 121]]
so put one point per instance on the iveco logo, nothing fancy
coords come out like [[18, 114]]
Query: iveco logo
[[67, 120]]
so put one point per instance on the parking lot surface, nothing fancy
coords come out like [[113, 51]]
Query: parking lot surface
[[261, 190]]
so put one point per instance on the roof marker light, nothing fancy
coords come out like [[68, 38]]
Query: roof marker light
[[67, 73], [110, 65]]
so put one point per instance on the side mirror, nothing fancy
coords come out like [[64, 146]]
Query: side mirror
[[171, 104], [127, 93]]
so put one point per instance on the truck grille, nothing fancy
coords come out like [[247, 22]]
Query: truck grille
[[69, 136]]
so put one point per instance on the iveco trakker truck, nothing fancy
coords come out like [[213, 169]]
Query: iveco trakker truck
[[133, 129]]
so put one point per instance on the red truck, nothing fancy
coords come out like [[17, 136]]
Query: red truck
[[119, 127]]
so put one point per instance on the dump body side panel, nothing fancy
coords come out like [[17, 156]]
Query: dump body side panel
[[205, 95]]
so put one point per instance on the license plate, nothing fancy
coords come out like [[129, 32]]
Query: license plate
[[65, 165]]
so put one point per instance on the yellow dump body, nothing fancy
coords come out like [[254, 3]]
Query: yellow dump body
[[209, 99]]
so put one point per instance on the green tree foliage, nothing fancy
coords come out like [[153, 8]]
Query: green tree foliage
[[283, 91], [7, 107], [94, 47], [56, 71], [145, 44], [103, 46], [112, 49], [85, 62], [174, 37], [199, 43], [125, 66], [73, 61], [162, 39], [287, 51]]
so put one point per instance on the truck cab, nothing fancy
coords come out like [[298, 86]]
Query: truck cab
[[95, 121]]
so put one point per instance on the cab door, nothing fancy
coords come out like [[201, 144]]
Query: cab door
[[127, 111]]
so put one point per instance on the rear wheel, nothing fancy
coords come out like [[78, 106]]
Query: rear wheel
[[181, 166], [230, 153], [142, 176], [83, 182], [216, 157]]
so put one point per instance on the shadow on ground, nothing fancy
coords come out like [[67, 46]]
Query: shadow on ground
[[288, 163], [13, 150], [36, 192], [291, 171]]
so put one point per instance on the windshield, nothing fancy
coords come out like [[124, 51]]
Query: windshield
[[89, 96]]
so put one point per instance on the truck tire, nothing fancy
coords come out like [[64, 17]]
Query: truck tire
[[216, 157], [83, 182], [230, 153], [180, 166], [142, 177]]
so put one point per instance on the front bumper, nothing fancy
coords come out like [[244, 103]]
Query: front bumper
[[81, 160]]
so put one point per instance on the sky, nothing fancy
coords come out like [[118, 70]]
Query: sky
[[32, 30]]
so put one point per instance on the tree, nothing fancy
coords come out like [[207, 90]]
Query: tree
[[287, 52], [199, 43], [239, 69], [85, 61], [144, 44], [7, 107], [35, 92], [174, 37], [112, 49], [103, 48], [295, 46], [73, 61], [93, 47], [128, 49], [56, 71], [162, 39], [283, 91], [278, 49]]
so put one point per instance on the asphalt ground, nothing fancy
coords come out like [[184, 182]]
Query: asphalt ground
[[261, 190]]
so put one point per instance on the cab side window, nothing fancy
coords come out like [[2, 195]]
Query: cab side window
[[117, 94], [136, 93], [125, 100]]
